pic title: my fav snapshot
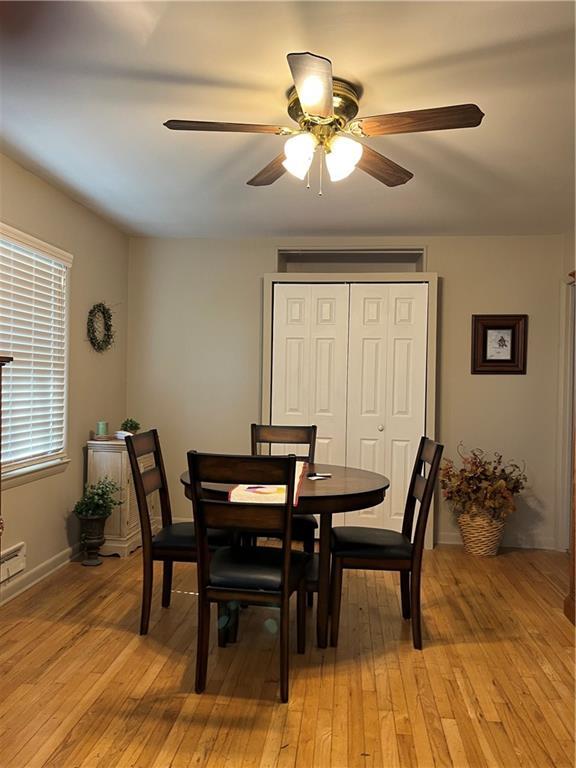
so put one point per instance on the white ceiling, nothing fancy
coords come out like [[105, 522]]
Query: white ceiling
[[86, 87]]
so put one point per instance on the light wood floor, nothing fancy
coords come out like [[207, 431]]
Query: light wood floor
[[493, 686]]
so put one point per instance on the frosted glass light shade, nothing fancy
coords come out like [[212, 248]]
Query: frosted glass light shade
[[343, 157], [299, 151]]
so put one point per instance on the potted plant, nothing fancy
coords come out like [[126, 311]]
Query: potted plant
[[130, 425], [92, 509], [481, 493]]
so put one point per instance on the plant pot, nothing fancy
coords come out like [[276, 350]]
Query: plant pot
[[481, 534], [92, 538]]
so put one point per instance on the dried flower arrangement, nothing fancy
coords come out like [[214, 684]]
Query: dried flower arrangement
[[483, 484]]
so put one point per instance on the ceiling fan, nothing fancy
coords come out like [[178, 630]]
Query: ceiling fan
[[325, 109]]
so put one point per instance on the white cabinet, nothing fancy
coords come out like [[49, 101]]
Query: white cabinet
[[351, 358], [109, 458]]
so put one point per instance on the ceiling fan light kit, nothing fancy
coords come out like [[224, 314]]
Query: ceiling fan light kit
[[325, 109]]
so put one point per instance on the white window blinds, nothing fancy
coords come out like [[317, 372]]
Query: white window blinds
[[33, 330]]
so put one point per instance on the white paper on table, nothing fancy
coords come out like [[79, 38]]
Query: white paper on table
[[268, 494]]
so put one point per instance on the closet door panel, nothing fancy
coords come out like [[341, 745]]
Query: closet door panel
[[405, 389], [387, 389], [367, 369], [309, 363], [328, 370], [291, 358]]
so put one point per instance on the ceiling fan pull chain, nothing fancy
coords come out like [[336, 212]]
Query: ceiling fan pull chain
[[321, 166], [308, 179]]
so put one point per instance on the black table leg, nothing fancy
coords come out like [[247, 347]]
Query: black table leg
[[323, 581]]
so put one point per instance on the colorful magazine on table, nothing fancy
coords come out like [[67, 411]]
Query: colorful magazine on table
[[268, 494]]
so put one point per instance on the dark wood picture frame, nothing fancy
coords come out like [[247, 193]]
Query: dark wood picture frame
[[499, 343]]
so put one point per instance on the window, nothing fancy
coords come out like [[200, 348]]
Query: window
[[34, 331]]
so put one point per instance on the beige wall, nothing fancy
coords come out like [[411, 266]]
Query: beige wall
[[194, 354], [194, 351], [39, 511]]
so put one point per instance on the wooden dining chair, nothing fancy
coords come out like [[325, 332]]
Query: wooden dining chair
[[174, 542], [250, 575], [265, 436], [386, 550]]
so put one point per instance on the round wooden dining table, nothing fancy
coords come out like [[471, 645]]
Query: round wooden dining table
[[346, 490]]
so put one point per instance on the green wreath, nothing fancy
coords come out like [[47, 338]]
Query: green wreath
[[99, 327]]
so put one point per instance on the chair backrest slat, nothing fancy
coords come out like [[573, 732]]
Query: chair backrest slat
[[143, 443], [230, 470], [246, 517], [214, 470], [151, 480], [428, 450], [148, 480], [279, 434]]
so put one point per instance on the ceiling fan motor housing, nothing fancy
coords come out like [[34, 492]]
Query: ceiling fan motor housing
[[345, 99]]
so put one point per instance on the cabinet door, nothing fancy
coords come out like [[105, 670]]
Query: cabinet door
[[386, 389], [309, 363]]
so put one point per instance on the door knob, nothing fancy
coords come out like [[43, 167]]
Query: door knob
[[380, 427]]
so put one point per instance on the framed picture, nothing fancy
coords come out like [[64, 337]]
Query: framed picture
[[499, 343]]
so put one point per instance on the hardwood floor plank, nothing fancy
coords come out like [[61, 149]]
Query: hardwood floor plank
[[494, 685]]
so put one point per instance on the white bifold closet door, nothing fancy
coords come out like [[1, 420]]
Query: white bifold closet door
[[310, 363], [351, 358]]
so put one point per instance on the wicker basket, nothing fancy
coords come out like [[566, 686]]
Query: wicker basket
[[480, 533]]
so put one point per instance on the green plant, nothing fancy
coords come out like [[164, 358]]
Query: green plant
[[130, 425], [483, 483], [98, 500]]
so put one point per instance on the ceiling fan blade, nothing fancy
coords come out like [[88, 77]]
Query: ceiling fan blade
[[438, 119], [270, 173], [203, 125], [312, 77], [383, 169]]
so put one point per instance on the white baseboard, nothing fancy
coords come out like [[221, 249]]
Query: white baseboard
[[448, 537], [453, 537], [22, 581]]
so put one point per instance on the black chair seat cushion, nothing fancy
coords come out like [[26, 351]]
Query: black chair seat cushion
[[183, 536], [254, 568], [303, 526], [384, 544]]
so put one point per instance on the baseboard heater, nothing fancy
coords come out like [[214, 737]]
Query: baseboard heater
[[12, 561]]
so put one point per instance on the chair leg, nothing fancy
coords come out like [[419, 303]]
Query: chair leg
[[284, 649], [335, 598], [405, 593], [301, 617], [309, 549], [167, 583], [202, 645], [148, 575], [415, 609]]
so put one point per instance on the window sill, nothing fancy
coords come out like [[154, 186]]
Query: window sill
[[23, 475]]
